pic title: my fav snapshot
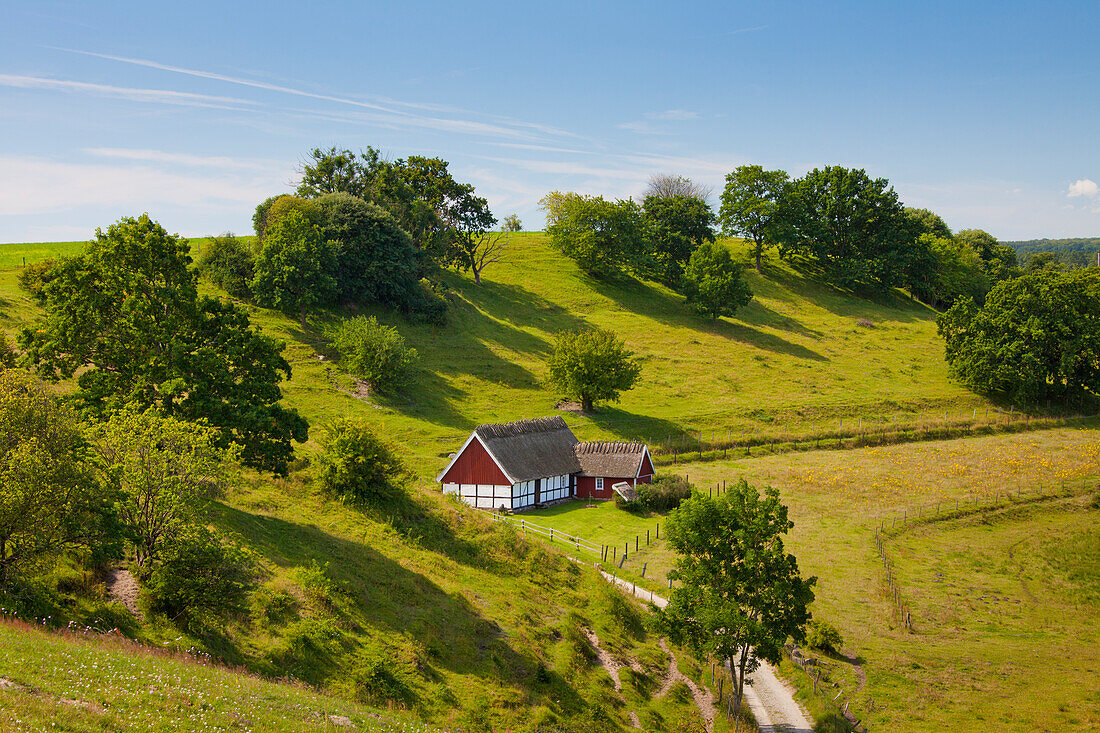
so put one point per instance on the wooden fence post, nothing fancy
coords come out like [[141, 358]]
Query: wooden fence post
[[644, 566]]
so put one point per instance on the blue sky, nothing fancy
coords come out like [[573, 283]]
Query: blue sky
[[984, 112]]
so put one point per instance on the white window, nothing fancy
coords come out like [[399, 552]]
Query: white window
[[599, 484]]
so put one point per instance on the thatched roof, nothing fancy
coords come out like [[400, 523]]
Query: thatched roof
[[609, 458], [530, 449]]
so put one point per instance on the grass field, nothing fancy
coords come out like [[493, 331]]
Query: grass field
[[795, 358], [426, 583], [82, 685]]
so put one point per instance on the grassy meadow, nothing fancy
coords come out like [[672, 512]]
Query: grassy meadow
[[484, 623]]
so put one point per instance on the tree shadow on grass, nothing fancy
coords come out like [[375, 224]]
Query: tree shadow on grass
[[631, 426], [388, 596], [808, 278]]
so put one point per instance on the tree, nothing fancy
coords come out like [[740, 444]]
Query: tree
[[375, 353], [592, 366], [125, 318], [957, 271], [227, 262], [739, 595], [474, 245], [357, 463], [1036, 338], [168, 472], [339, 171], [293, 271], [751, 206], [374, 259], [676, 226], [928, 222], [851, 225], [512, 224], [556, 204], [483, 250], [713, 283], [603, 237], [50, 500], [199, 579], [667, 185], [998, 260]]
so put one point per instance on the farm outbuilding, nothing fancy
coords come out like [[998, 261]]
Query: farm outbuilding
[[522, 464]]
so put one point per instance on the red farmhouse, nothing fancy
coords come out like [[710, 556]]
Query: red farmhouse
[[520, 464]]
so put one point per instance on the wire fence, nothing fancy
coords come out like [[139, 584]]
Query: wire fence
[[955, 508], [850, 433]]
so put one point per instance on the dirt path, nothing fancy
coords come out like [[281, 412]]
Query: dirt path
[[773, 705], [122, 586], [704, 699], [769, 698]]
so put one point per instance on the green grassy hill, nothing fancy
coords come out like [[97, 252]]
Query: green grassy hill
[[432, 609], [796, 358]]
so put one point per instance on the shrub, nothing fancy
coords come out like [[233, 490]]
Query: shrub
[[200, 579], [664, 493], [375, 353], [357, 463], [7, 352], [227, 262], [378, 680], [823, 636], [34, 277], [713, 283], [429, 303]]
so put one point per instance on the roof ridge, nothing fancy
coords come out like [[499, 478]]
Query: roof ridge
[[548, 424], [609, 446]]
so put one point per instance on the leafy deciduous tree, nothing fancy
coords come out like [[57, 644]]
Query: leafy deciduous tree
[[603, 237], [677, 225], [374, 258], [751, 206], [1037, 337], [713, 283], [853, 226], [293, 270], [592, 366], [126, 315], [227, 262], [49, 497], [512, 224], [739, 595], [167, 470]]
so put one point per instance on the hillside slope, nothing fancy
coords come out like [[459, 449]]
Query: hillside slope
[[796, 357]]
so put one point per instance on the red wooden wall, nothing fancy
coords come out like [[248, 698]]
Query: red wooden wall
[[586, 485], [475, 466]]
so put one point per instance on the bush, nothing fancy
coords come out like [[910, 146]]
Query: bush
[[377, 680], [823, 636], [356, 463], [429, 303], [7, 352], [200, 579], [34, 277], [713, 283], [375, 353], [227, 262], [664, 493]]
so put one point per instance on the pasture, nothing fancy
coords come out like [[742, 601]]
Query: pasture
[[795, 360]]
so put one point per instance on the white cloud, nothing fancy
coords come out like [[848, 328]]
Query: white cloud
[[1083, 187], [39, 186], [185, 159], [672, 114], [642, 128], [159, 96]]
